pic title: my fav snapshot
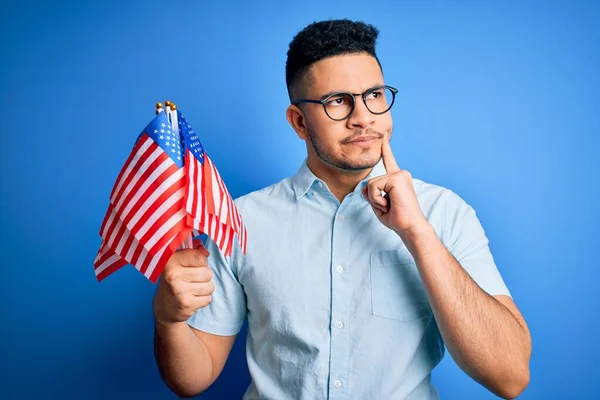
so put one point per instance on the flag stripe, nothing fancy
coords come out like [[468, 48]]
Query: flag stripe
[[147, 182], [139, 149], [142, 159]]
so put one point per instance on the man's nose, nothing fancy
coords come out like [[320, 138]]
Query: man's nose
[[361, 117]]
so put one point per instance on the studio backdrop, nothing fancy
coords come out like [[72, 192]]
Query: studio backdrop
[[498, 101]]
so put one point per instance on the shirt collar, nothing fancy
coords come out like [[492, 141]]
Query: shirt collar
[[304, 178]]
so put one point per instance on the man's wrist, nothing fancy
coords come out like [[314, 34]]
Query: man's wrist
[[422, 240]]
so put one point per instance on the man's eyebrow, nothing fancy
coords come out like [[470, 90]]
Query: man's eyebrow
[[377, 85]]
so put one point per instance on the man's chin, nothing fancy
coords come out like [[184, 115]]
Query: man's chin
[[358, 165]]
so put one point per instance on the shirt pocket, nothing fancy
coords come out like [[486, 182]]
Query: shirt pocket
[[397, 291]]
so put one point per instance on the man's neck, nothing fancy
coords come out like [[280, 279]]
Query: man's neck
[[340, 182]]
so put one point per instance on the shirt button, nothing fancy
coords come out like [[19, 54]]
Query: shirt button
[[339, 269], [313, 193], [337, 384], [339, 324], [340, 218]]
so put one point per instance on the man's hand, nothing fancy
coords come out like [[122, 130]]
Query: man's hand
[[399, 208], [185, 285]]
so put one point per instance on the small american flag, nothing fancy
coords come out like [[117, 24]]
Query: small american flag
[[168, 190]]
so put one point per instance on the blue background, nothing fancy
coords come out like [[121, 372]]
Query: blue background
[[499, 101]]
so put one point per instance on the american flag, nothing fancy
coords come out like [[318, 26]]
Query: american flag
[[168, 190]]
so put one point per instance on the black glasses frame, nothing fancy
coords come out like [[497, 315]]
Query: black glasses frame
[[363, 95]]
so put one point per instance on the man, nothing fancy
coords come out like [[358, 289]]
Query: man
[[356, 274]]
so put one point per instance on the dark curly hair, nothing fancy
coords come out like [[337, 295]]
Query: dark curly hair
[[324, 39]]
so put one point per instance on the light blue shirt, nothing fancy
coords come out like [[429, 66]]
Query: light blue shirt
[[335, 305]]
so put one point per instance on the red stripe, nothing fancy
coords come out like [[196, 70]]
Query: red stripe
[[197, 169], [225, 197], [204, 207], [229, 242]]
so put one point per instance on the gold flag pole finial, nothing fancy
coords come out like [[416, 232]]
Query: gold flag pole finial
[[173, 106], [159, 107]]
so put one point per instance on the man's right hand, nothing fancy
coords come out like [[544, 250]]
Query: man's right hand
[[184, 286]]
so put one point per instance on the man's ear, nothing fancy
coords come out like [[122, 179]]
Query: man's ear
[[296, 119]]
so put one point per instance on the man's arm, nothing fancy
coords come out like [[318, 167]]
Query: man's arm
[[486, 335], [189, 360]]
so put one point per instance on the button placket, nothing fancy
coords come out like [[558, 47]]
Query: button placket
[[341, 293]]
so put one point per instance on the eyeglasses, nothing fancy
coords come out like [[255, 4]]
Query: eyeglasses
[[339, 106]]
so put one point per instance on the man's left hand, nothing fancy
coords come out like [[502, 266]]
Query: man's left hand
[[398, 208]]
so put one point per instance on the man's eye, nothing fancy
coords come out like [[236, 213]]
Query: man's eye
[[375, 95], [337, 101]]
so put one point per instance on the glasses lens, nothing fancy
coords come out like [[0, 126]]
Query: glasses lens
[[339, 106], [379, 100]]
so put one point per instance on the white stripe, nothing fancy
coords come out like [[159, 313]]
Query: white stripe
[[197, 213], [224, 200], [191, 167]]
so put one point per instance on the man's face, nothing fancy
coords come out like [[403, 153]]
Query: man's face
[[342, 143]]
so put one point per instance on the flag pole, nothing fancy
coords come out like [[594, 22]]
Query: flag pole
[[171, 112]]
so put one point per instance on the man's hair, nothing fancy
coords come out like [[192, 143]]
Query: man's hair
[[324, 39]]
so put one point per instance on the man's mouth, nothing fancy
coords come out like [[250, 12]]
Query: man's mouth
[[364, 139]]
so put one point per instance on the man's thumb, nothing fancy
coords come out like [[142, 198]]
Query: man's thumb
[[198, 245]]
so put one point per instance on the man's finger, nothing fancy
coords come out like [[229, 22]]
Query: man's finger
[[192, 258], [375, 196], [389, 161], [200, 274]]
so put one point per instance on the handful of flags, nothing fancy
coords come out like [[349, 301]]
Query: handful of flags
[[168, 191]]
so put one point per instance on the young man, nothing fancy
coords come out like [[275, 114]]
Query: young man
[[356, 274]]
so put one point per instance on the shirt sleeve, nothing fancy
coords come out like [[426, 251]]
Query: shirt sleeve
[[469, 244], [226, 313]]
